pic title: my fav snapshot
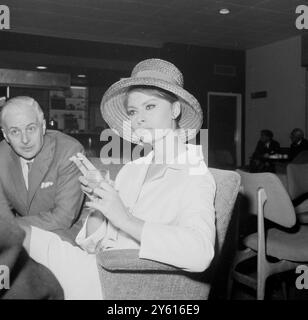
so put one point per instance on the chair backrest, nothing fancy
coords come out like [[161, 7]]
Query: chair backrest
[[227, 188], [297, 177], [278, 208]]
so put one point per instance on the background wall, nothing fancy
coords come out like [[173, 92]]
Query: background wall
[[275, 68], [105, 63]]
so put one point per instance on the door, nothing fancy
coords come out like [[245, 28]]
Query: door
[[224, 116]]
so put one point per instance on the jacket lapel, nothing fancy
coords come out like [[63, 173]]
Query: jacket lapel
[[142, 166], [40, 166], [18, 180]]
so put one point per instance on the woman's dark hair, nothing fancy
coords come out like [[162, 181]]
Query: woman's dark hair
[[155, 91]]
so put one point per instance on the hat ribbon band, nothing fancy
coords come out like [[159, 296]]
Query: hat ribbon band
[[157, 75]]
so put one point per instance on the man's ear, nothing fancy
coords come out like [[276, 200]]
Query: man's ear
[[176, 109], [5, 136], [44, 126]]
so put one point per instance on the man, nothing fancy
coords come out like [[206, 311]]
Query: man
[[266, 146], [20, 276], [37, 178], [298, 143]]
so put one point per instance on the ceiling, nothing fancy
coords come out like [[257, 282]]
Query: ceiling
[[151, 23]]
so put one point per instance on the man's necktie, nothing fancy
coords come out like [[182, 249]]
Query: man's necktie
[[29, 164]]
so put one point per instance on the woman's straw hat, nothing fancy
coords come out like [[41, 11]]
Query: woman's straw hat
[[161, 74]]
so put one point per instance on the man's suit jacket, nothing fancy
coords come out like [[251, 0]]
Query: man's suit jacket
[[27, 279], [262, 148], [54, 198], [297, 148]]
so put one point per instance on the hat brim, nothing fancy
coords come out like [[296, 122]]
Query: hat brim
[[114, 113]]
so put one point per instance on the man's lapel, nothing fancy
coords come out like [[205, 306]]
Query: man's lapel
[[18, 181], [40, 166]]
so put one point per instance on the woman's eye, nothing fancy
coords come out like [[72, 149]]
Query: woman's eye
[[131, 112], [150, 106]]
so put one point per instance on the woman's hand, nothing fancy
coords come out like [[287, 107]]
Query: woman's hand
[[85, 187], [107, 200], [94, 221]]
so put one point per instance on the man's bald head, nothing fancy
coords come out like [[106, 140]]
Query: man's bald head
[[296, 135]]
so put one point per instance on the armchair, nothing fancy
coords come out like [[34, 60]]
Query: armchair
[[125, 276]]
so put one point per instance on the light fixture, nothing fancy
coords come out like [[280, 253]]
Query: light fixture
[[81, 76], [224, 11], [41, 67]]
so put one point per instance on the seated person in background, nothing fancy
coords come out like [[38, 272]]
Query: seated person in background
[[37, 178], [161, 204], [26, 279], [266, 146], [298, 143]]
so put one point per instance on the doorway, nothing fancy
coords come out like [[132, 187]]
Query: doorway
[[224, 119]]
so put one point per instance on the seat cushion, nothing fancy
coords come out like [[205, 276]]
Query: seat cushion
[[283, 245]]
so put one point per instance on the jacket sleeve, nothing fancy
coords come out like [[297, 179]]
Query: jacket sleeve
[[259, 150], [188, 244], [4, 204], [68, 198], [277, 147], [25, 279]]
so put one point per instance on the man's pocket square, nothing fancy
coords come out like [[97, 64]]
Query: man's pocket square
[[46, 184]]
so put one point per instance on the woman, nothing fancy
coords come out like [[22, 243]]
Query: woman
[[162, 204]]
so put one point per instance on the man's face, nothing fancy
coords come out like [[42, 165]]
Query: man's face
[[23, 131], [295, 137], [264, 138]]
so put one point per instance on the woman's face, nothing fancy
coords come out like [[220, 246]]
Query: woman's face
[[151, 116]]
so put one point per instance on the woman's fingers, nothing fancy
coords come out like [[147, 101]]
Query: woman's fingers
[[90, 196], [83, 180], [94, 205], [99, 192], [86, 189], [106, 186], [79, 164], [88, 164]]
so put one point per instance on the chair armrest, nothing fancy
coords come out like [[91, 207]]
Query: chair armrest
[[128, 260], [125, 276]]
